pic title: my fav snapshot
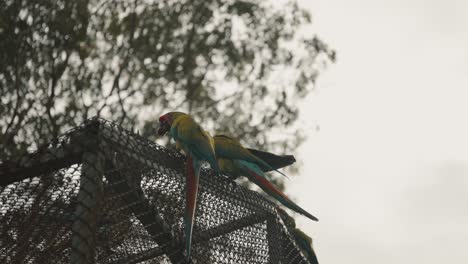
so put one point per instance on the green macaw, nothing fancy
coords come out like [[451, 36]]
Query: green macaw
[[198, 145], [273, 160], [235, 160], [230, 148]]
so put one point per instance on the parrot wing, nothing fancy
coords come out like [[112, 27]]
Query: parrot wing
[[275, 161], [194, 140], [230, 148]]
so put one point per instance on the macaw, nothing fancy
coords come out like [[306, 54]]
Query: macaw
[[302, 240], [198, 145], [235, 160], [230, 148], [274, 161]]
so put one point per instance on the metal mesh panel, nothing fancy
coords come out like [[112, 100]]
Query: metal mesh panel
[[103, 194]]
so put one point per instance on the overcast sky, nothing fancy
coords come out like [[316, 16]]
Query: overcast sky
[[387, 173]]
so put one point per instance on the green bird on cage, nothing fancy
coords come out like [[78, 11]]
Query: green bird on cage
[[198, 145], [235, 160]]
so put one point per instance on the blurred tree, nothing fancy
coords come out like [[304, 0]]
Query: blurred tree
[[240, 66]]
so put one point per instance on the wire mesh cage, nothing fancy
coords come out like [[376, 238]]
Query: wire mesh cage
[[102, 194]]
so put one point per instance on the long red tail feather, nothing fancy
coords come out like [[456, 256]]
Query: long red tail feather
[[271, 189], [191, 201]]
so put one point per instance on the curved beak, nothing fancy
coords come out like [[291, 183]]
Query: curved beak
[[163, 128]]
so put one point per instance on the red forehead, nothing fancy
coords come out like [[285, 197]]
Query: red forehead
[[164, 118]]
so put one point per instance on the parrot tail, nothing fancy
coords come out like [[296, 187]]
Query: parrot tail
[[275, 161], [193, 172], [287, 177], [264, 164], [274, 192]]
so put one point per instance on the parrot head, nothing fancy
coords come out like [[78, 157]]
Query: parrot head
[[165, 121]]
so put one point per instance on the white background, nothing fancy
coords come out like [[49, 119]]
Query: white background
[[387, 172]]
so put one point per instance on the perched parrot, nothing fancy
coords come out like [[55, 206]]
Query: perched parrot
[[198, 145], [235, 160], [274, 161], [302, 240], [230, 148]]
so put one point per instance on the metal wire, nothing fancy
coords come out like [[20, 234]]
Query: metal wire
[[101, 194]]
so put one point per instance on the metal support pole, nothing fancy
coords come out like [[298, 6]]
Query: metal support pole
[[89, 202], [274, 244]]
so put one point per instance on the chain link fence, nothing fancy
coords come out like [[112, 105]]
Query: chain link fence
[[102, 194]]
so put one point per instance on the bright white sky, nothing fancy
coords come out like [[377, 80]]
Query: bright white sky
[[387, 173]]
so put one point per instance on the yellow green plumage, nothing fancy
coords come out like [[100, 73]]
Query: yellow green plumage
[[198, 145]]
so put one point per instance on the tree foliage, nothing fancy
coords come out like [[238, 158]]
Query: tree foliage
[[238, 66]]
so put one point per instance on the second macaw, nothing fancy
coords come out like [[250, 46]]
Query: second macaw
[[230, 148], [274, 161], [235, 160], [198, 145]]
